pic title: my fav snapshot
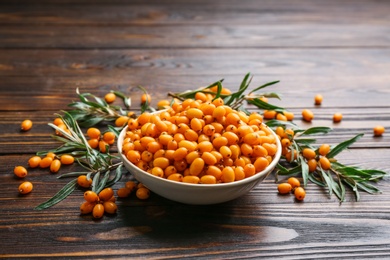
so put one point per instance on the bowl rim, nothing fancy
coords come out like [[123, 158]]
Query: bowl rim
[[257, 175]]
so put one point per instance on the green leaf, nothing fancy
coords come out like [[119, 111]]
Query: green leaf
[[265, 85], [275, 123], [244, 85], [305, 141], [305, 170], [264, 105], [328, 180], [342, 146], [368, 187], [117, 177], [95, 182], [315, 130], [59, 196]]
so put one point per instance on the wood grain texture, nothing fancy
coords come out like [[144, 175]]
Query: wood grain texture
[[337, 48]]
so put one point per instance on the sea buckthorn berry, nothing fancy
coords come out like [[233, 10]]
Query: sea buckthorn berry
[[143, 193], [91, 196], [157, 171], [55, 166], [175, 177], [209, 130], [191, 179], [312, 163], [123, 192], [269, 114], [289, 115], [93, 133], [281, 117], [227, 175], [225, 152], [209, 158], [110, 97], [294, 182], [196, 166], [58, 121], [337, 117], [130, 185], [93, 143], [146, 98], [34, 161], [83, 181], [194, 113], [20, 171], [133, 156], [51, 155], [379, 130], [67, 159], [318, 99], [110, 207], [299, 193], [170, 170], [25, 187], [26, 125], [324, 149], [132, 124], [271, 148], [239, 173], [208, 179], [163, 103], [161, 162], [260, 164], [249, 170], [109, 137], [324, 163], [284, 188], [45, 162], [106, 194], [98, 211], [121, 121], [218, 102], [182, 164], [103, 146], [86, 207], [307, 115], [308, 153]]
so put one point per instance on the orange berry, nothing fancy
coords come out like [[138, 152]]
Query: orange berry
[[106, 194], [98, 211], [294, 182], [55, 166], [284, 188], [307, 115], [110, 97], [146, 97], [45, 162], [110, 207], [34, 161], [143, 193], [109, 137], [91, 196], [324, 163], [93, 133], [121, 121], [26, 125], [58, 121], [379, 130], [324, 149], [93, 143], [67, 159], [86, 207], [83, 181], [337, 117], [25, 187], [318, 99], [20, 171], [123, 192], [299, 193]]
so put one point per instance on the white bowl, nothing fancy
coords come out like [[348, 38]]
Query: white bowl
[[197, 194]]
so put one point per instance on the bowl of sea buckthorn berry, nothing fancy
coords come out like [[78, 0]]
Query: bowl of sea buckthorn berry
[[199, 154]]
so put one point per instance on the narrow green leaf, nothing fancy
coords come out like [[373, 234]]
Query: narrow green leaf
[[276, 123], [264, 105], [328, 180], [265, 85], [368, 188], [305, 141], [342, 146], [59, 196], [354, 187], [95, 181], [305, 170], [316, 180], [316, 130], [117, 177]]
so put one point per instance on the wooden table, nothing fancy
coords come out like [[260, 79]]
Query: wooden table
[[337, 48]]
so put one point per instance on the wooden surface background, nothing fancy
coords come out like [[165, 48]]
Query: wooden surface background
[[338, 48]]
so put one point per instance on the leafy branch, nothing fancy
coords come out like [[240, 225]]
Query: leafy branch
[[338, 176], [98, 166]]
